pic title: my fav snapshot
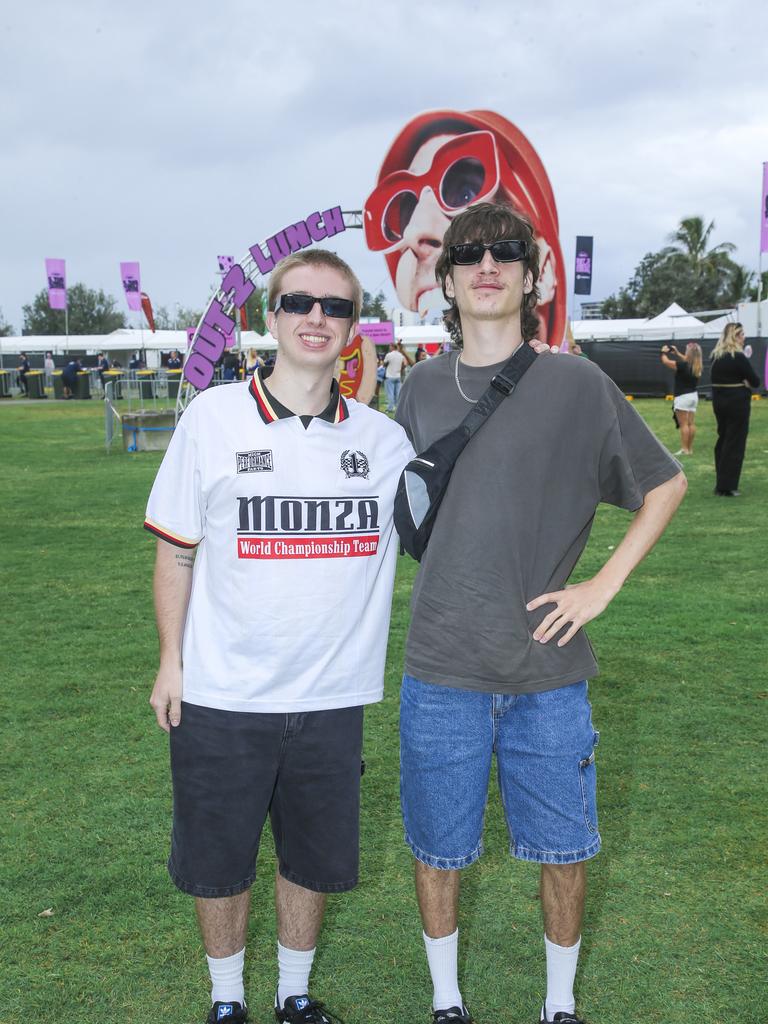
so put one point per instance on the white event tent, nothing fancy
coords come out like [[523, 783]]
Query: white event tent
[[674, 324], [121, 341]]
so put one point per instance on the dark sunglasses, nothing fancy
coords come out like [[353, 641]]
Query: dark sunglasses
[[331, 305], [508, 250]]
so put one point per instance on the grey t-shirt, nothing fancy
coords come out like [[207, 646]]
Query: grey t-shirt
[[517, 515]]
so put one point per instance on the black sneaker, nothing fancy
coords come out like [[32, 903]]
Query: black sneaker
[[230, 1013], [561, 1018], [453, 1015], [303, 1010]]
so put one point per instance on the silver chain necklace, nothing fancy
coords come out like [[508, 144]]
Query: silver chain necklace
[[472, 401]]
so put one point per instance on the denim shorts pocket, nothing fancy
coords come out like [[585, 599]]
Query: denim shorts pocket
[[588, 783]]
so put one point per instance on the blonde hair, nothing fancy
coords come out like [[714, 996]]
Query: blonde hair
[[728, 344], [693, 358], [315, 258]]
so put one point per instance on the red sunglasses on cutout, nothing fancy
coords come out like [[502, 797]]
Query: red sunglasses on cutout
[[463, 171]]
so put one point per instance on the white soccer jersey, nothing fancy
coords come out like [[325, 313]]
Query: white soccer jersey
[[296, 548]]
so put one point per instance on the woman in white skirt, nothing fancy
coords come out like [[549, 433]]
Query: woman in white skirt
[[687, 373]]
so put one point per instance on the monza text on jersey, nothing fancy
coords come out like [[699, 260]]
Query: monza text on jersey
[[292, 527]]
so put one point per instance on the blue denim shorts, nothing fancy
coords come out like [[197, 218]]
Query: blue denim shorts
[[545, 753]]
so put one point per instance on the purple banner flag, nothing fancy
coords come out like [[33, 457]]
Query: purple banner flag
[[129, 272], [226, 263], [56, 273], [583, 273], [764, 213]]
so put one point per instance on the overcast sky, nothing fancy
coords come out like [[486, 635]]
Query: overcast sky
[[169, 132]]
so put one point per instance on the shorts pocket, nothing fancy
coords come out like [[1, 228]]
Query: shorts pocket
[[588, 783]]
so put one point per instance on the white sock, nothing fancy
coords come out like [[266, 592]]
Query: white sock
[[561, 971], [293, 966], [442, 957], [227, 978]]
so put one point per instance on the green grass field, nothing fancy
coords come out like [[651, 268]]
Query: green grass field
[[675, 927]]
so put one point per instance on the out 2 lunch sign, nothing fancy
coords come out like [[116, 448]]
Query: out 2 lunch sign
[[217, 325]]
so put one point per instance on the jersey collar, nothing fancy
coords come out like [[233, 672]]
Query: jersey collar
[[270, 409]]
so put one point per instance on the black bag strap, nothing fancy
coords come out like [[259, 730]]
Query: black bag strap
[[502, 385]]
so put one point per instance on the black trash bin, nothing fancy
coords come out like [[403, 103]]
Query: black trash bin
[[116, 379], [5, 384], [36, 384], [146, 381], [58, 384], [83, 386], [174, 380]]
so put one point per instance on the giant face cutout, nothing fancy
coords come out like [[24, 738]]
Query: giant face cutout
[[439, 164]]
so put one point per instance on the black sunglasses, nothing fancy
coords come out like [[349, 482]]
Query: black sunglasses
[[331, 305], [508, 250]]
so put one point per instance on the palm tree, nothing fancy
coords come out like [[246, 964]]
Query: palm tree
[[691, 240], [741, 284]]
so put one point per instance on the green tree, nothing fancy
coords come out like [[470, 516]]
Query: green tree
[[5, 328], [691, 240], [177, 319], [741, 284], [374, 305], [254, 310], [90, 312], [764, 291], [620, 306], [688, 271]]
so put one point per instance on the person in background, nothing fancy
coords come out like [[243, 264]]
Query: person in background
[[732, 378], [23, 369], [136, 362], [252, 362], [394, 362], [102, 365], [49, 365], [230, 364], [174, 360], [69, 377], [381, 372], [687, 374]]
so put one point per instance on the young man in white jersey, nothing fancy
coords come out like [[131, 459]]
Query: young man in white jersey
[[273, 582], [496, 659]]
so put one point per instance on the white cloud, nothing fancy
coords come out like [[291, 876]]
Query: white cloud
[[169, 132]]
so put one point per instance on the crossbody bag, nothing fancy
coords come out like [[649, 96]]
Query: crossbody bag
[[425, 479]]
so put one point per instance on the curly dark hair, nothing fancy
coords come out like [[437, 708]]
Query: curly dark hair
[[490, 222]]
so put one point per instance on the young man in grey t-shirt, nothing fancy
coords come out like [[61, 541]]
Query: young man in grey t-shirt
[[496, 658]]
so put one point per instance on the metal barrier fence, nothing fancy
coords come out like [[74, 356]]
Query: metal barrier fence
[[146, 400]]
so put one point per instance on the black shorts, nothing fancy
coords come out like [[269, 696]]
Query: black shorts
[[232, 768]]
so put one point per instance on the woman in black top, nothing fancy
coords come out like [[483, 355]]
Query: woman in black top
[[687, 373], [732, 378]]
